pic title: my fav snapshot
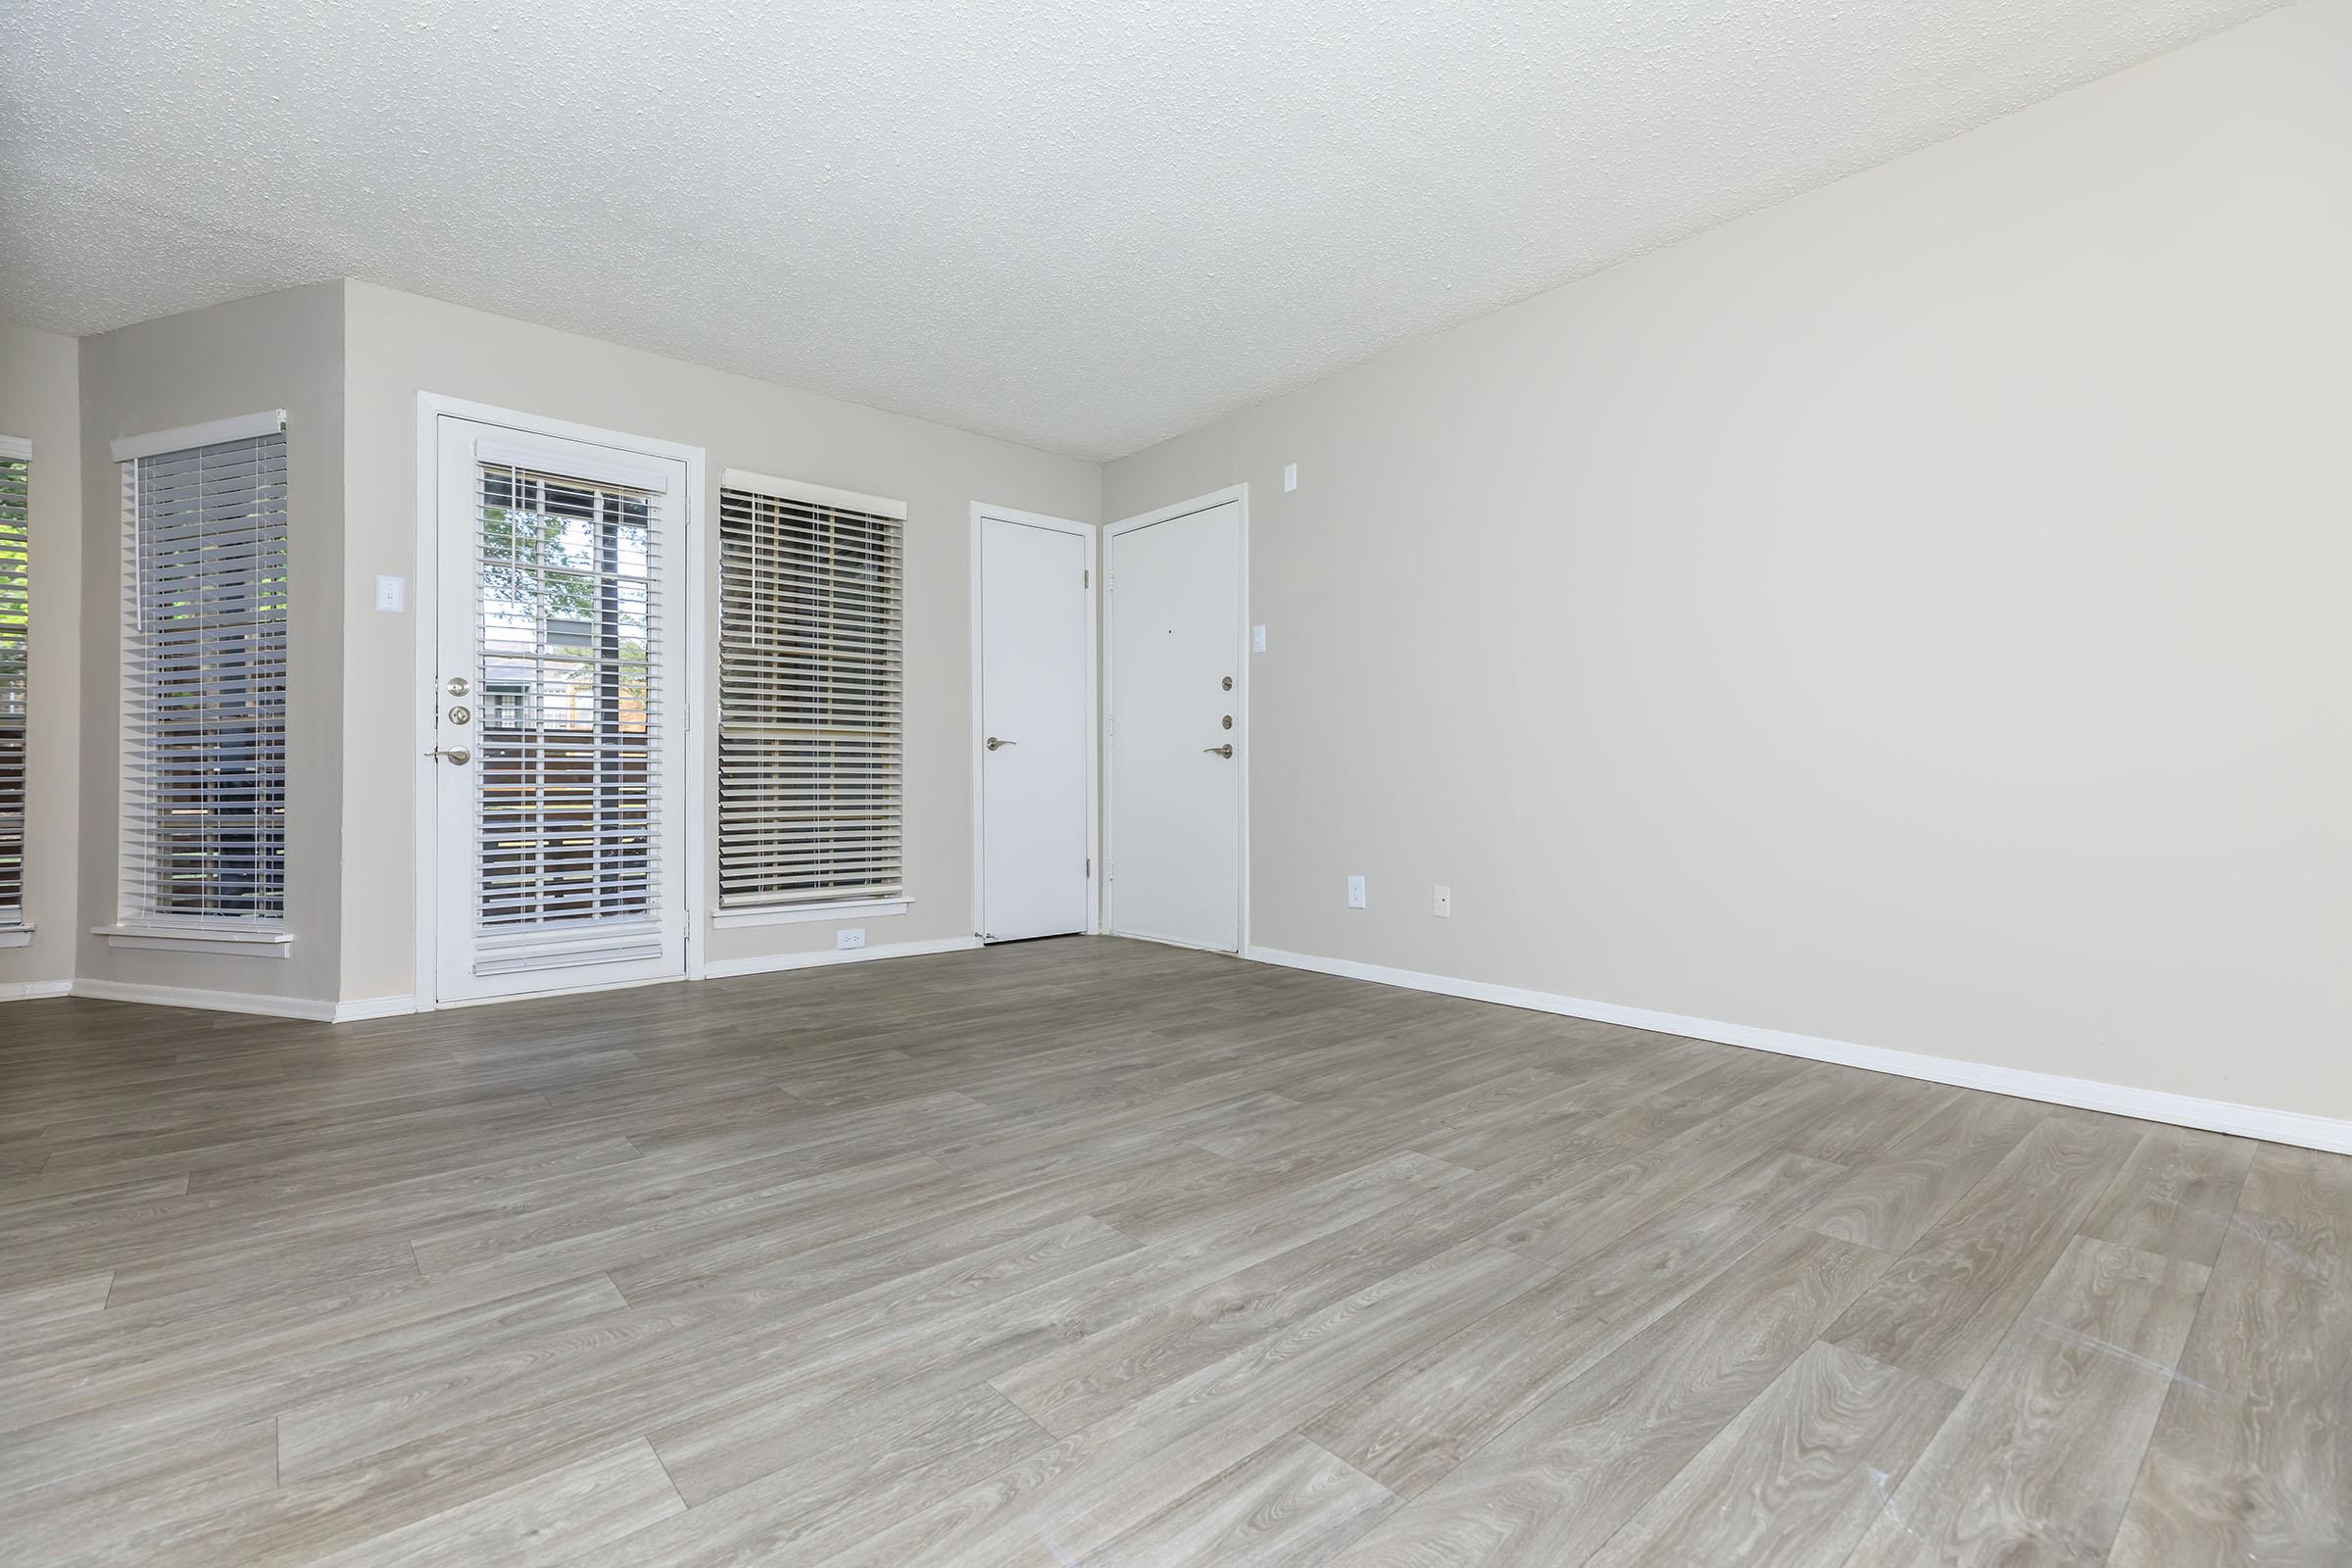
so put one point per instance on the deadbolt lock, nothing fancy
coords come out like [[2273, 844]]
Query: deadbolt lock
[[458, 686], [1229, 721], [461, 714], [1229, 683]]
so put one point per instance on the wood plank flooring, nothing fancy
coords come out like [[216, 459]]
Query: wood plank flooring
[[1097, 1253]]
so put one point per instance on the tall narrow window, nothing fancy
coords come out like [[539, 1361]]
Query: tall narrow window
[[203, 680], [16, 466], [810, 734]]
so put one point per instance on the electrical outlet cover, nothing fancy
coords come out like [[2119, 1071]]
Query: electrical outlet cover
[[848, 937]]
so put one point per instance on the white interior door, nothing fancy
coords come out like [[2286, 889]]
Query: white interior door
[[1035, 633], [560, 769], [1175, 808]]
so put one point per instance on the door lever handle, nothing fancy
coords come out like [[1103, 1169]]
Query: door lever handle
[[1225, 750], [454, 753], [994, 743]]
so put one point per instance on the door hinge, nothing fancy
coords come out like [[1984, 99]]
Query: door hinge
[[1090, 866], [1086, 578]]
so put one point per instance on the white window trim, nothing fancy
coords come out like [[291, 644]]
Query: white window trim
[[16, 447], [17, 936], [256, 942], [793, 913], [248, 938]]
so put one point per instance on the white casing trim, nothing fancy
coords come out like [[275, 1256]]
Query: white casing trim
[[769, 962], [799, 913], [27, 990], [212, 941], [2146, 1105]]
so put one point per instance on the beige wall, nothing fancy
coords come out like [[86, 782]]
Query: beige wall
[[40, 402], [401, 344], [278, 351], [1915, 614]]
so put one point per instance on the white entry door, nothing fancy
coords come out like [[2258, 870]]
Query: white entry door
[[560, 767], [1175, 768], [1036, 758]]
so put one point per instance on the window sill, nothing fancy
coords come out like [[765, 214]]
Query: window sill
[[224, 942], [795, 913], [13, 935]]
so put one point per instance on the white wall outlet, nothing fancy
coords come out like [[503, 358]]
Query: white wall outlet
[[1444, 902], [392, 594], [1290, 477], [1355, 892], [1257, 639], [848, 937]]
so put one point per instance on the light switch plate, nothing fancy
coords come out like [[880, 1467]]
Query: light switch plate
[[1257, 639], [392, 594], [849, 937], [1290, 477], [1444, 902]]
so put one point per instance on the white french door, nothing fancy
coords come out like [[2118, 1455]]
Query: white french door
[[560, 754], [1174, 634], [1036, 708]]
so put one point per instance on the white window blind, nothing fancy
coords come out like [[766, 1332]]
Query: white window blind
[[15, 610], [568, 799], [810, 738], [204, 682]]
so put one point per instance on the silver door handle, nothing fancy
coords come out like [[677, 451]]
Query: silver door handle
[[1225, 750], [453, 754], [994, 743]]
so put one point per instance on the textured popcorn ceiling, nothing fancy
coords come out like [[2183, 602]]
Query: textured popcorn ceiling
[[1083, 225]]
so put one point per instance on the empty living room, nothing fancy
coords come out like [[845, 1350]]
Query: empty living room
[[1053, 784]]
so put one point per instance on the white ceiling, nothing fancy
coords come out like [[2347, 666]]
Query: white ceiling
[[1084, 225]]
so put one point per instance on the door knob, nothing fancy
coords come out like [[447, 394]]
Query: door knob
[[994, 743], [1225, 750], [453, 753]]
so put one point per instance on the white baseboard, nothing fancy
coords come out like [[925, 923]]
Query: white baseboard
[[2120, 1099], [373, 1008], [207, 1001], [27, 990], [771, 962]]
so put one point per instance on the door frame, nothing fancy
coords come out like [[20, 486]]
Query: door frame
[[1241, 685], [425, 611], [982, 512]]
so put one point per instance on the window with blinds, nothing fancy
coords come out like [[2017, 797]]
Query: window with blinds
[[204, 682], [15, 469], [811, 735], [567, 600]]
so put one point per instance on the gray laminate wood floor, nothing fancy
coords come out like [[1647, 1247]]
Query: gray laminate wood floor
[[1089, 1251]]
